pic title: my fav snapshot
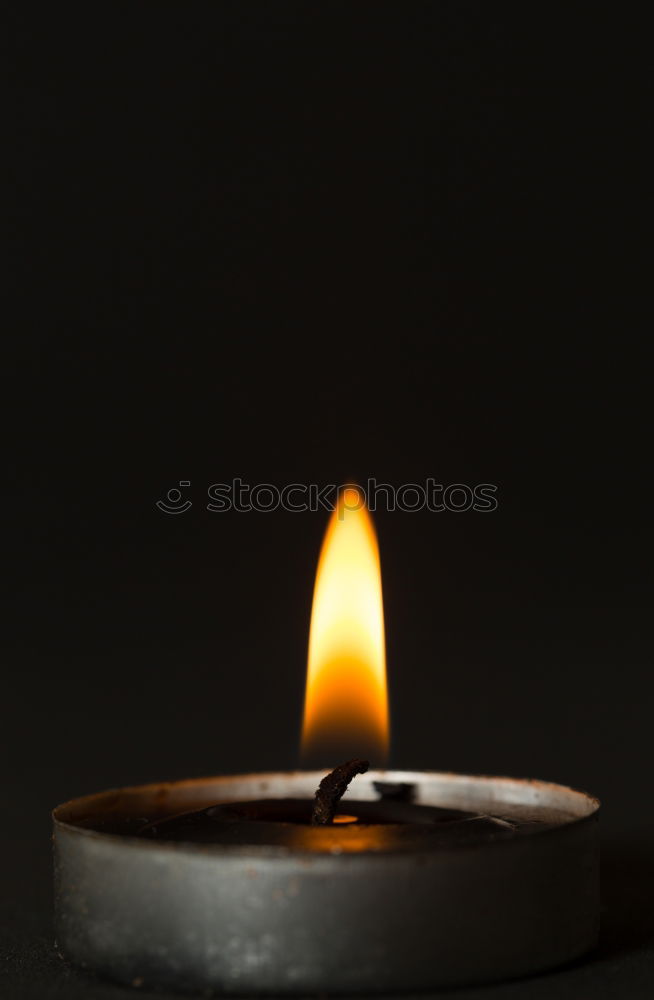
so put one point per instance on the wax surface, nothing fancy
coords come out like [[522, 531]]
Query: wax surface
[[385, 825]]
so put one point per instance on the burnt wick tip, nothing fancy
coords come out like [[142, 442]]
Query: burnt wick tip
[[331, 789]]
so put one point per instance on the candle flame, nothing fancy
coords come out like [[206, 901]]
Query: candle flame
[[346, 703]]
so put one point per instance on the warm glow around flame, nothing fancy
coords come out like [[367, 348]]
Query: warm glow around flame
[[346, 704]]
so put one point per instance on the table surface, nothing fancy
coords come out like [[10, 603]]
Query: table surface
[[622, 967]]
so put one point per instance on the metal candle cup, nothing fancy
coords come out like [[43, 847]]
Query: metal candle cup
[[334, 909]]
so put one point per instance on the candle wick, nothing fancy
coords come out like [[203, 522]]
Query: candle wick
[[331, 789]]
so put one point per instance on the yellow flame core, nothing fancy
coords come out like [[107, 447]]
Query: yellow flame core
[[346, 704]]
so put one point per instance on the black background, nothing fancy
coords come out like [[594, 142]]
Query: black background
[[310, 243]]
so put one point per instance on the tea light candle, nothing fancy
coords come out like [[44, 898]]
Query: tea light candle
[[294, 883]]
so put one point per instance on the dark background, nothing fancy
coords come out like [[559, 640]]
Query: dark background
[[316, 242]]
